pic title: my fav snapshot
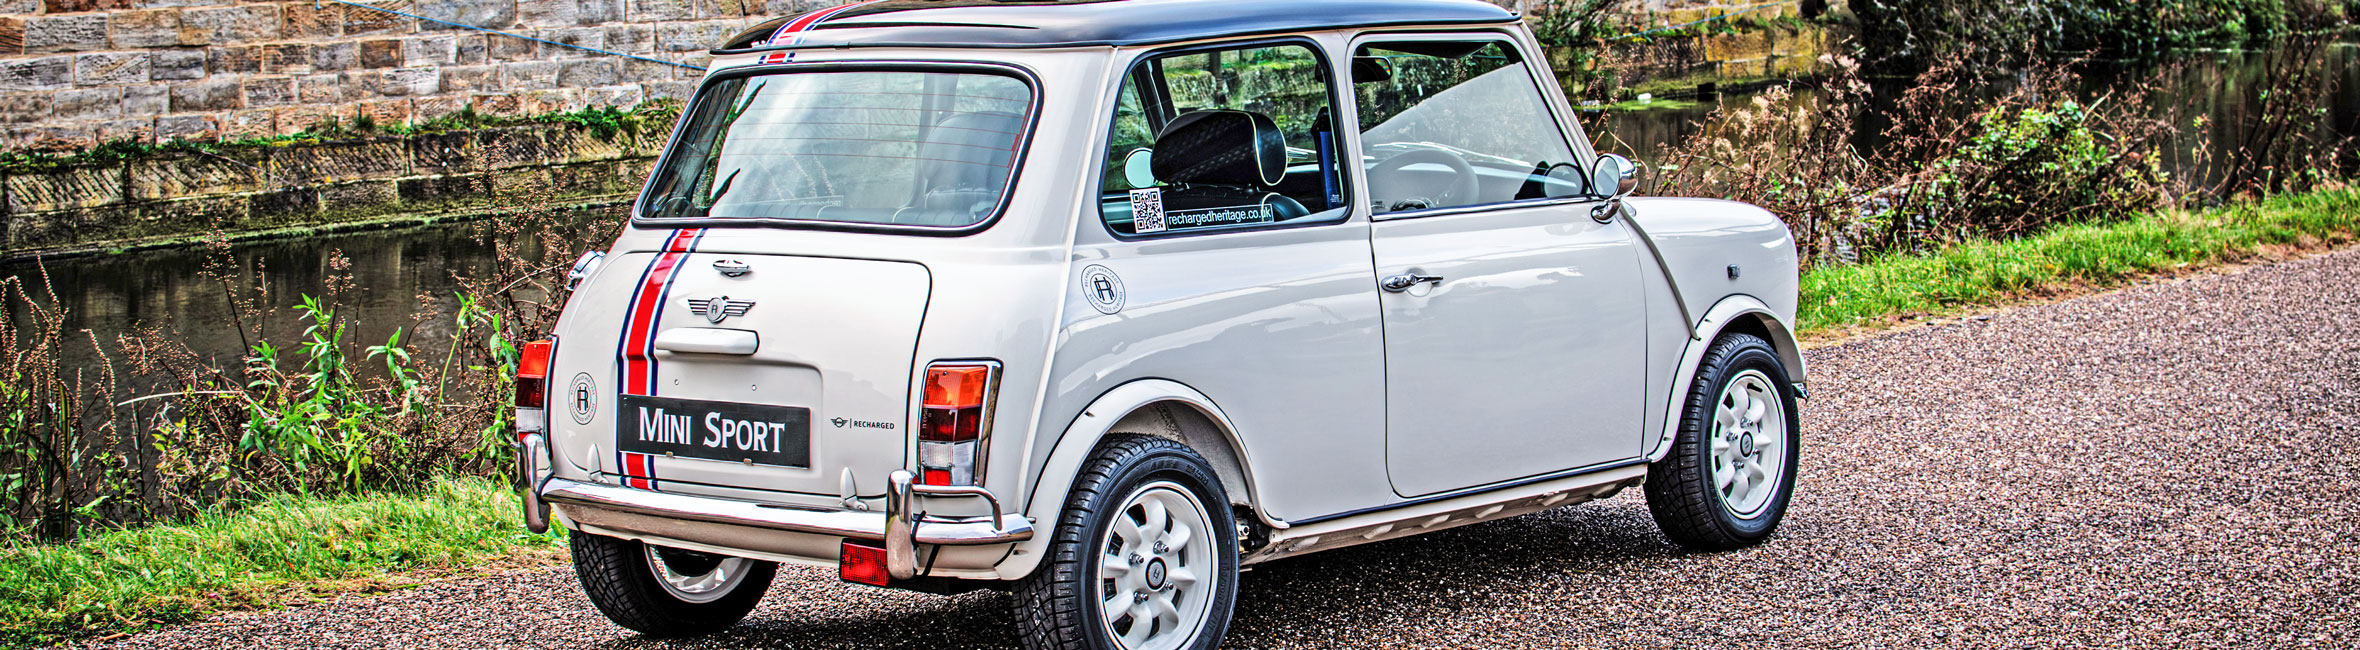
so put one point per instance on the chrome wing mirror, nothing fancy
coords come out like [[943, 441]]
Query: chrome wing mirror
[[1612, 178]]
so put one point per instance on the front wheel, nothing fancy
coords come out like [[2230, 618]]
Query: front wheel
[[667, 592], [1144, 558], [1726, 483]]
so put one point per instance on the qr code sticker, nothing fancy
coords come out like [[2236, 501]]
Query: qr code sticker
[[1147, 210]]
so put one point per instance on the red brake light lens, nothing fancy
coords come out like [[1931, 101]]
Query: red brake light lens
[[951, 424]]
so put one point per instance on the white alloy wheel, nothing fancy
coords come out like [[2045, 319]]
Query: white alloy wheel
[[1748, 443], [696, 580], [1156, 569]]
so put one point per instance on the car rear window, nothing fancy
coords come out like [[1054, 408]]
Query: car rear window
[[898, 147]]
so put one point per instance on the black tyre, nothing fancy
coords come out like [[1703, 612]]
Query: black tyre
[[667, 592], [1731, 471], [1145, 556]]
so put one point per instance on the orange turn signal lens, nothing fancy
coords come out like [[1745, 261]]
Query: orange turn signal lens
[[532, 374], [956, 386], [534, 359]]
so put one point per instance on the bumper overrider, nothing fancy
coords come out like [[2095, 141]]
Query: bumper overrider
[[728, 523]]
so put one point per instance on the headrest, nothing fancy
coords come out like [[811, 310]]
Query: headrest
[[969, 149], [1221, 147]]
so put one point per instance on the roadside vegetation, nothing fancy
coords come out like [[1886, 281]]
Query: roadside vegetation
[[284, 548], [154, 431], [1986, 273]]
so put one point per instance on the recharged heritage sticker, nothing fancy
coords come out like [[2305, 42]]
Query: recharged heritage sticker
[[1147, 211], [1218, 217], [585, 398], [1103, 288]]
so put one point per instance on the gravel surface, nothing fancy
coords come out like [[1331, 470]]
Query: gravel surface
[[2173, 465]]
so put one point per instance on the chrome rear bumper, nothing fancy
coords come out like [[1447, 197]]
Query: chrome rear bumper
[[902, 526]]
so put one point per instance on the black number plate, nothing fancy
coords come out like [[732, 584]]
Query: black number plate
[[727, 431]]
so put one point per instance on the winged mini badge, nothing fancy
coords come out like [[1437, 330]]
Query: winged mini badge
[[718, 307]]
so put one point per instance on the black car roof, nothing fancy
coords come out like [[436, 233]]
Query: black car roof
[[1071, 23]]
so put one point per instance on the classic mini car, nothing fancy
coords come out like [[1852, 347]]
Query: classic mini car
[[1098, 302]]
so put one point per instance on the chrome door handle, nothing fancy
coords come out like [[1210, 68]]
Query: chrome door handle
[[1403, 282]]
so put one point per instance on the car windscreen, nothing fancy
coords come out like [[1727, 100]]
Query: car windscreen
[[886, 147]]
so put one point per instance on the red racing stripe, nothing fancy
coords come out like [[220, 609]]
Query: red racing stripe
[[639, 471], [647, 301], [806, 21], [792, 32], [636, 353]]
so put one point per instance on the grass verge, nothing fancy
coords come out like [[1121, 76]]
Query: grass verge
[[1895, 289], [284, 549]]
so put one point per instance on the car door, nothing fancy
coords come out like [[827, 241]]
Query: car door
[[1514, 340]]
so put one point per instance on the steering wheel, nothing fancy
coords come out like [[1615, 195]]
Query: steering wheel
[[1387, 177]]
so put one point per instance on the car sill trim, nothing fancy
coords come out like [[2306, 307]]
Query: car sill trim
[[1472, 491]]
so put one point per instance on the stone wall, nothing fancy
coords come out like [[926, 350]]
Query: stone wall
[[74, 73], [77, 72]]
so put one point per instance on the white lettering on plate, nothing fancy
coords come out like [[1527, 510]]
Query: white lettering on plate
[[662, 427], [740, 435]]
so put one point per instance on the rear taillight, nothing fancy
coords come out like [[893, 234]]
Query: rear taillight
[[532, 385], [956, 421]]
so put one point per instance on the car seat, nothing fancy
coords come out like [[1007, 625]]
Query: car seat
[[963, 166], [1213, 159]]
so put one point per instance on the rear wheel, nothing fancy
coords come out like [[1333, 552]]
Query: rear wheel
[[1144, 558], [667, 592], [1731, 471]]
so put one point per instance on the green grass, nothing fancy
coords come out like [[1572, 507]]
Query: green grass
[[2072, 258], [259, 556]]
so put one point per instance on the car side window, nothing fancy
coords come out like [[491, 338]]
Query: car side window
[[1456, 123], [1224, 138]]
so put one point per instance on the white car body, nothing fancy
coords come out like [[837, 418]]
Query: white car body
[[1546, 368]]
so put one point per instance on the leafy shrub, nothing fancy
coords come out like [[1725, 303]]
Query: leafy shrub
[[1959, 165], [2024, 169], [1908, 35]]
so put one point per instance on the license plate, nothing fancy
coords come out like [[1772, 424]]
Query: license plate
[[725, 431]]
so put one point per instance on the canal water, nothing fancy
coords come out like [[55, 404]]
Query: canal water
[[392, 270]]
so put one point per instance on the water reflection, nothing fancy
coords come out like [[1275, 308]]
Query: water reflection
[[393, 273]]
